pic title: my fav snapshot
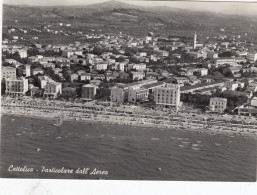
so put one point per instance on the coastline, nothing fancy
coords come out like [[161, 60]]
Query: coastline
[[129, 115], [136, 124]]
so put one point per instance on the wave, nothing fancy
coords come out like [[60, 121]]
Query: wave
[[196, 145]]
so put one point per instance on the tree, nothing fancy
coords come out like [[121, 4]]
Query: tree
[[2, 87], [33, 51], [227, 72], [103, 93], [50, 72], [98, 50], [227, 54]]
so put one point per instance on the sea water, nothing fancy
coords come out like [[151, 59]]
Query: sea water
[[126, 152]]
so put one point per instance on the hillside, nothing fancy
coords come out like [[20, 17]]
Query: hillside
[[113, 15]]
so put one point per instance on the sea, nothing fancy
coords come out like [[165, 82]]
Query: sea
[[120, 152]]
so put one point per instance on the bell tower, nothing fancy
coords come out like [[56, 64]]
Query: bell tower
[[195, 40]]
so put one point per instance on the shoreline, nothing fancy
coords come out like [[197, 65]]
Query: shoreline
[[117, 122], [127, 115]]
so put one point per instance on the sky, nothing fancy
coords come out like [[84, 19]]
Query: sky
[[238, 8]]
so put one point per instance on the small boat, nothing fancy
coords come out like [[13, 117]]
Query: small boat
[[38, 149]]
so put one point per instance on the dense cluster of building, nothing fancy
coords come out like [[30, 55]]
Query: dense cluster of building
[[130, 65]]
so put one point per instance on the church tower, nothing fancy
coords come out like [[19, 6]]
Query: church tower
[[27, 67], [195, 37]]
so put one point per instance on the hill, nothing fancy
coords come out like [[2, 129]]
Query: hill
[[113, 15]]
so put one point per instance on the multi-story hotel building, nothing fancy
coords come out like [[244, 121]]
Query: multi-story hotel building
[[16, 86], [136, 93], [218, 104], [89, 91], [223, 61], [44, 80], [119, 95], [133, 91], [8, 72], [168, 95], [138, 67], [53, 90]]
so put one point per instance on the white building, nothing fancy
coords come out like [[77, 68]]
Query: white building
[[44, 80], [118, 95], [37, 71], [23, 53], [168, 95], [53, 90], [16, 86], [218, 104], [181, 80], [8, 72], [252, 57], [138, 67], [254, 102], [28, 70], [223, 61], [138, 75], [148, 38], [137, 93], [231, 85], [101, 66], [203, 71], [85, 77], [11, 61]]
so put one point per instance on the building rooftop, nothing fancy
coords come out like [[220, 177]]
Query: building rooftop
[[153, 84], [88, 85], [218, 99]]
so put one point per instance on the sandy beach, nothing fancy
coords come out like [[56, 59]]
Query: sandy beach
[[131, 115]]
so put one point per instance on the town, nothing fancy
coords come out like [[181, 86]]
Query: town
[[119, 91], [219, 76]]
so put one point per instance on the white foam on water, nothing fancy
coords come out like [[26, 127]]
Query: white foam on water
[[196, 145]]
